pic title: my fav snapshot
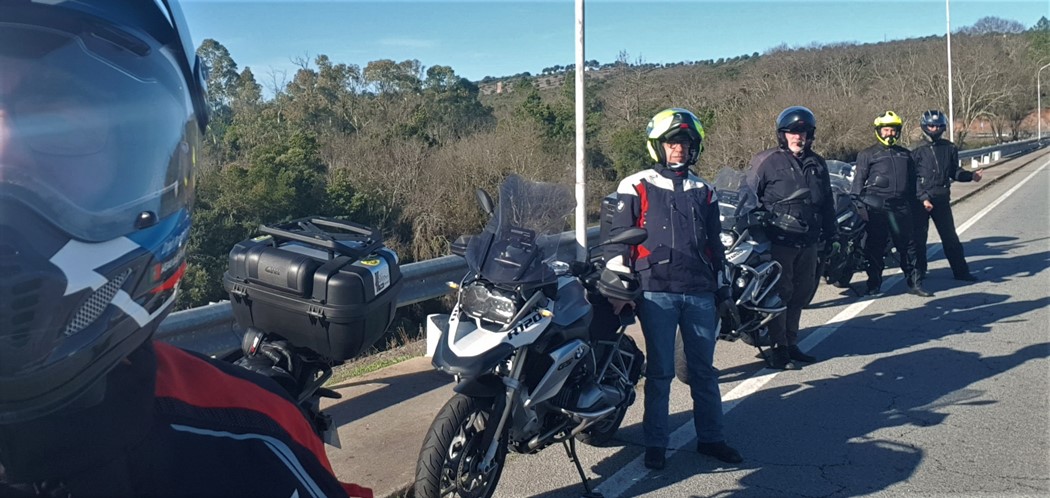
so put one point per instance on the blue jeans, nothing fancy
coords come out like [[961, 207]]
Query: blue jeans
[[662, 314]]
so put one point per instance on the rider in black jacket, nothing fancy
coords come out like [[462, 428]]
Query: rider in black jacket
[[938, 166], [885, 181], [774, 175], [102, 106]]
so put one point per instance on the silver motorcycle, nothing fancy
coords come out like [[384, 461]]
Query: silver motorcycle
[[538, 356], [750, 270]]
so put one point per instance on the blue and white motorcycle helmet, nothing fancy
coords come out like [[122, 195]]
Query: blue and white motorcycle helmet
[[102, 104]]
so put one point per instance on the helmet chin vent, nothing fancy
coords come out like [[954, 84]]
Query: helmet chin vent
[[19, 297], [20, 313], [9, 268], [95, 304]]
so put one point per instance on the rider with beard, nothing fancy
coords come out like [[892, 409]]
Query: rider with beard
[[774, 175], [937, 161], [679, 271], [885, 181], [102, 105]]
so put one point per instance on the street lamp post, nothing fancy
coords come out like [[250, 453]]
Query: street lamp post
[[1039, 103], [951, 114]]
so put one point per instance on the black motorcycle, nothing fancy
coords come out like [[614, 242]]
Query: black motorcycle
[[844, 256]]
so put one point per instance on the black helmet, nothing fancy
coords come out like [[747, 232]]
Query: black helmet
[[933, 119], [796, 119], [671, 125], [618, 286], [103, 107]]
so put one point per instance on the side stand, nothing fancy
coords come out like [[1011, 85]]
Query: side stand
[[570, 449]]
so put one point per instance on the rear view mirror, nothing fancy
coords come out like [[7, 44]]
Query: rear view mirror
[[485, 201], [459, 246], [801, 193], [631, 236]]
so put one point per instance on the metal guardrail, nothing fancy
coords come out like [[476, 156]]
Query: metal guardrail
[[1004, 149], [212, 329]]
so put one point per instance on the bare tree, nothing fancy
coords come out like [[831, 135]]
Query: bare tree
[[979, 84], [992, 25]]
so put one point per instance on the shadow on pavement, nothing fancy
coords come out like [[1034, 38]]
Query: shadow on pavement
[[408, 386], [828, 436]]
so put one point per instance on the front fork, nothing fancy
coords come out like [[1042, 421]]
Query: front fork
[[491, 438]]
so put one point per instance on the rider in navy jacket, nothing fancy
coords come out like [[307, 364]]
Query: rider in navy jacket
[[679, 268], [683, 252]]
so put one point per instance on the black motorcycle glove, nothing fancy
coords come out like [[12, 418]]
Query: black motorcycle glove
[[727, 308], [828, 241]]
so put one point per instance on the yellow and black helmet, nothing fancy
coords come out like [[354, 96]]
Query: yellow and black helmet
[[888, 120], [675, 123]]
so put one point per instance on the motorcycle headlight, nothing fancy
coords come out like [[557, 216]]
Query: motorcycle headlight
[[492, 305], [727, 239]]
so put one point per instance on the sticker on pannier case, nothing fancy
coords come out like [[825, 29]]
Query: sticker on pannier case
[[380, 270], [381, 277]]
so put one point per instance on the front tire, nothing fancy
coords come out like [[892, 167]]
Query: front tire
[[448, 462]]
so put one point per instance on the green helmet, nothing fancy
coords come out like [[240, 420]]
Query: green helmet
[[891, 120], [676, 124]]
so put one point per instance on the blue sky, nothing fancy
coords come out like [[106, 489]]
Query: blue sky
[[502, 37]]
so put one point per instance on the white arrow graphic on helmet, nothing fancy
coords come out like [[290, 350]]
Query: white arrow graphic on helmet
[[79, 260]]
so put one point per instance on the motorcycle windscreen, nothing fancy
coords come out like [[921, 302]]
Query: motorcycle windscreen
[[524, 235], [735, 198]]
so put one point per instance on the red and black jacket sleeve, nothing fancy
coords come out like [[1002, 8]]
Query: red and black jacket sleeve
[[239, 430]]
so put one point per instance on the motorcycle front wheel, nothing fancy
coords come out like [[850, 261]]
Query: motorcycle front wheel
[[453, 450]]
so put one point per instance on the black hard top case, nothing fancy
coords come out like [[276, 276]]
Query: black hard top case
[[323, 284]]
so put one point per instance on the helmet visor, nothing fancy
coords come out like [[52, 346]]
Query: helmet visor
[[798, 126], [94, 126]]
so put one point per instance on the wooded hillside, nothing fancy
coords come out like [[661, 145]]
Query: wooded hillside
[[402, 147]]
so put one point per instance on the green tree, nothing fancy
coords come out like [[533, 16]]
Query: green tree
[[451, 106], [1039, 38], [628, 151], [222, 74], [281, 181]]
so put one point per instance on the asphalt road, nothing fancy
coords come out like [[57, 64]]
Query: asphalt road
[[939, 396]]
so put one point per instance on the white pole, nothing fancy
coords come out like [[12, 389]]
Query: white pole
[[951, 111], [1039, 103], [581, 137]]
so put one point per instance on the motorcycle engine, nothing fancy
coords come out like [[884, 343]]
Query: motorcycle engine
[[583, 393]]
